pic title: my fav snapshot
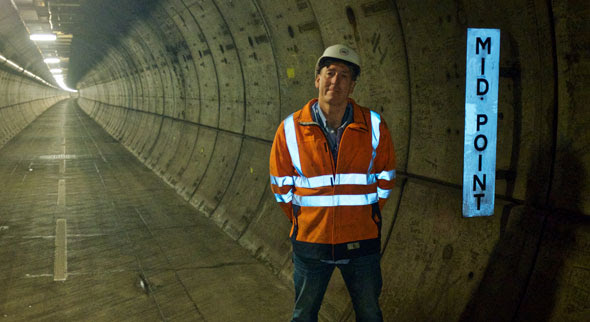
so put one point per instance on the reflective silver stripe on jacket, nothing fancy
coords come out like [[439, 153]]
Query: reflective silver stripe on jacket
[[281, 181], [330, 180], [375, 123], [335, 200], [292, 143], [286, 198]]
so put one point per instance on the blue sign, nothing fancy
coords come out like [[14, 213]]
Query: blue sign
[[481, 121]]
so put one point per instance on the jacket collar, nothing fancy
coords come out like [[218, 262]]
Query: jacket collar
[[358, 119]]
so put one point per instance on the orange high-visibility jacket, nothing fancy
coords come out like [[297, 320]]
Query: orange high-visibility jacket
[[335, 211]]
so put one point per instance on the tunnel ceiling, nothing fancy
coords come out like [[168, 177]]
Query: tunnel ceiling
[[16, 46], [58, 17], [105, 24], [85, 31]]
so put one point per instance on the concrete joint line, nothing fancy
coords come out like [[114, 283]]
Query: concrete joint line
[[215, 266], [61, 192], [37, 275], [60, 267], [51, 237]]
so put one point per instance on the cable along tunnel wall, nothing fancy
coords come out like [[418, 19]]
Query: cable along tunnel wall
[[196, 90]]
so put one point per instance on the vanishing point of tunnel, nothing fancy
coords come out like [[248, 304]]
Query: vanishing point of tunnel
[[144, 194]]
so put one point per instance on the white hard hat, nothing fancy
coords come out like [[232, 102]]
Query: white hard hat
[[341, 52]]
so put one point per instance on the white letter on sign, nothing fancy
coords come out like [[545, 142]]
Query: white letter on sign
[[481, 121]]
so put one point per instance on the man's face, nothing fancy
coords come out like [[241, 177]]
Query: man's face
[[335, 83]]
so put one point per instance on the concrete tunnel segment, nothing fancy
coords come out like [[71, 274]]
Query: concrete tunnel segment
[[196, 89]]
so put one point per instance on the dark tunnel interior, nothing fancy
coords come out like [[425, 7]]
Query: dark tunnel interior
[[176, 109]]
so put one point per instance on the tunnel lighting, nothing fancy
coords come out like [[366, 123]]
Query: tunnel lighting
[[43, 37], [59, 79], [56, 70], [51, 60]]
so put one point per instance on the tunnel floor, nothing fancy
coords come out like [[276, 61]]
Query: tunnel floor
[[87, 232]]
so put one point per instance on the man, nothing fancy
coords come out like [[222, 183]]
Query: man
[[332, 167]]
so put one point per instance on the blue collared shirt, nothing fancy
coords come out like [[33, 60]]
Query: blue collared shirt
[[332, 135]]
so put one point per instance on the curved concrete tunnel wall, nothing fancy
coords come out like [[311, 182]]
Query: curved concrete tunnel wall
[[197, 89], [21, 101]]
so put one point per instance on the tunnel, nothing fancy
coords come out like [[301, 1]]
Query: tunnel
[[154, 174]]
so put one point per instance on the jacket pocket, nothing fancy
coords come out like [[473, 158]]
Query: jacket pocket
[[296, 209], [376, 216]]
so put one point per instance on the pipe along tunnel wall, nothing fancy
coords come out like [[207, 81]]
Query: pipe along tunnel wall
[[196, 89]]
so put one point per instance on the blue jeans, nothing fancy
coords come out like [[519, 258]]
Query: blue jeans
[[362, 277]]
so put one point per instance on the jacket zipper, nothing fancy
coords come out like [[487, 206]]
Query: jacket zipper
[[332, 179]]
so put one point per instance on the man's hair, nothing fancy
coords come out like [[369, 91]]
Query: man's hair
[[326, 62]]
